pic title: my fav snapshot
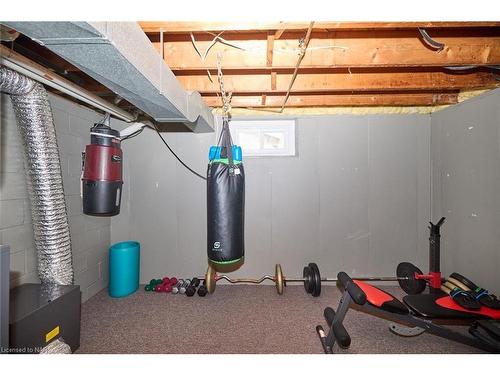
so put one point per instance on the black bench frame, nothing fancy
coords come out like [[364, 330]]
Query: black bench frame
[[352, 293]]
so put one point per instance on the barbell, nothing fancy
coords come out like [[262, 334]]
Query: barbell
[[311, 278]]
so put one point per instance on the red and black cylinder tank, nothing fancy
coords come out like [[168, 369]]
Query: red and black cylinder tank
[[102, 175]]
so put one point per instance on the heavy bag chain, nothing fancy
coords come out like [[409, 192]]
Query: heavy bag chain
[[225, 96], [227, 142]]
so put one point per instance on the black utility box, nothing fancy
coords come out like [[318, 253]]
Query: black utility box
[[40, 314]]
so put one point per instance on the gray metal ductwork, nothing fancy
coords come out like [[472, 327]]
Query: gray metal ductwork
[[43, 175], [120, 56]]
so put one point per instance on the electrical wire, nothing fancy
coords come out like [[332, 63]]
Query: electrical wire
[[104, 121], [177, 157], [133, 134]]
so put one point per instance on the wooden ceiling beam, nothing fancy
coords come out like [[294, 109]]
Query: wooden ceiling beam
[[270, 49], [341, 51], [389, 81], [379, 99], [324, 69], [187, 27], [269, 60]]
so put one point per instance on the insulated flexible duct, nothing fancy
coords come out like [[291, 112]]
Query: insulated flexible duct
[[43, 175], [56, 347]]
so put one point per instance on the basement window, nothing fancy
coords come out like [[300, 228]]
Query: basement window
[[264, 137]]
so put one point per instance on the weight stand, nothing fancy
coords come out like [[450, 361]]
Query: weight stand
[[435, 256], [434, 275]]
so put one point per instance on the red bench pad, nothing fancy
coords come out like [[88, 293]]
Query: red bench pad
[[448, 303], [383, 300]]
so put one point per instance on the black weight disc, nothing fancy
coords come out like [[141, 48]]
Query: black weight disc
[[469, 284], [406, 278], [308, 283], [317, 279]]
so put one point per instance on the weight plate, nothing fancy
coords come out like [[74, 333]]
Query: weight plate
[[316, 291], [278, 278], [445, 289], [457, 283], [469, 284], [308, 283], [448, 285], [210, 279], [406, 278]]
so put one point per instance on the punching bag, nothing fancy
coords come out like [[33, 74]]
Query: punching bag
[[225, 201]]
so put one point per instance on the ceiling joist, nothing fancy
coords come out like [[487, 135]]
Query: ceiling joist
[[187, 27], [369, 51], [334, 100], [305, 82]]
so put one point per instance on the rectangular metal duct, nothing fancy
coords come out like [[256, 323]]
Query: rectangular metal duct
[[120, 56]]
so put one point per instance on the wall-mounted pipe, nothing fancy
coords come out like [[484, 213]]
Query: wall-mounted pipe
[[20, 64], [43, 175]]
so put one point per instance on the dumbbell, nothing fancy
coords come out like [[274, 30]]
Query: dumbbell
[[159, 288], [152, 284], [167, 288], [191, 289], [182, 288], [166, 285], [170, 284], [202, 291], [160, 285], [178, 284]]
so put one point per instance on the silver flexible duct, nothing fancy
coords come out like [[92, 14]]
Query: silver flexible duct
[[43, 175], [56, 347]]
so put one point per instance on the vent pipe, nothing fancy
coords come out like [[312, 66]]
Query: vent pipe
[[43, 175]]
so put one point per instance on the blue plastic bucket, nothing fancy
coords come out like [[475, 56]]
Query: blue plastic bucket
[[124, 263]]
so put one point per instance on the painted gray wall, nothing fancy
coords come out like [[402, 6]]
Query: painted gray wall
[[356, 198], [465, 148], [90, 236]]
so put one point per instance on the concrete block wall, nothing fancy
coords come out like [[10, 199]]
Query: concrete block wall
[[90, 236]]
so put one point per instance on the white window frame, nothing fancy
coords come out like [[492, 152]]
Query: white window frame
[[283, 126]]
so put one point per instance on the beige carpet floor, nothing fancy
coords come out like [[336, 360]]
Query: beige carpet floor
[[236, 319]]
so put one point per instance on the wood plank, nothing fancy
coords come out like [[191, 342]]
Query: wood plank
[[378, 99], [187, 26], [317, 69], [388, 81], [374, 49], [274, 76], [270, 49], [484, 32], [279, 33]]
